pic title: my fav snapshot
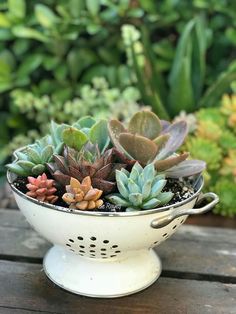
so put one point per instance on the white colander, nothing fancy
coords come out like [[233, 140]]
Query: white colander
[[105, 254]]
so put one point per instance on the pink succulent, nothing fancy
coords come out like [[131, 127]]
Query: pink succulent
[[42, 188]]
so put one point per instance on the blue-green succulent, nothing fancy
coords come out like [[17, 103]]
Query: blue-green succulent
[[140, 189]]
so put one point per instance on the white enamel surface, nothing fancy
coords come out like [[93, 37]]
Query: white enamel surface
[[104, 248]]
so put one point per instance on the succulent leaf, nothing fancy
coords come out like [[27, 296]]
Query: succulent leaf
[[145, 123], [163, 165], [74, 138], [99, 135], [139, 147], [140, 192], [186, 168]]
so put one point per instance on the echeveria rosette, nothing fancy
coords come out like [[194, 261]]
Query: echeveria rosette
[[33, 158], [140, 189], [150, 140]]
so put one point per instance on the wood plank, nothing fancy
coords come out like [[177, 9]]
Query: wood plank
[[26, 287], [192, 249]]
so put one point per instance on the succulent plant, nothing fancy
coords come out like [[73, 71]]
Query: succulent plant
[[229, 164], [189, 118], [42, 188], [140, 189], [100, 168], [82, 195], [225, 188], [147, 139], [228, 108], [84, 130], [209, 130], [33, 158], [207, 150], [211, 114]]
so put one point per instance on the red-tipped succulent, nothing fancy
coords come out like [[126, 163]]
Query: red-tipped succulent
[[42, 188]]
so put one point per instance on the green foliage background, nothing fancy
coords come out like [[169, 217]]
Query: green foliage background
[[65, 59]]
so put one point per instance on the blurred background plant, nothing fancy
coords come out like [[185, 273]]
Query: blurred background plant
[[214, 140], [64, 59]]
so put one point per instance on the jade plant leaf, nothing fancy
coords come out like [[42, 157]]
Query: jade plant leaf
[[162, 165], [186, 168]]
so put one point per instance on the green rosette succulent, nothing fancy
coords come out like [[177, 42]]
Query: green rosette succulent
[[207, 150], [33, 158], [225, 188], [140, 189]]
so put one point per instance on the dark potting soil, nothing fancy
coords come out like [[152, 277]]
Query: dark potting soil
[[182, 189]]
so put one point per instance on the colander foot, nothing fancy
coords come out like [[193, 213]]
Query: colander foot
[[99, 278]]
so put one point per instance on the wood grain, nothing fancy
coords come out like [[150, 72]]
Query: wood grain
[[26, 287], [192, 249]]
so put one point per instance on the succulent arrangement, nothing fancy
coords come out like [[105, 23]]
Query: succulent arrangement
[[214, 140], [93, 162]]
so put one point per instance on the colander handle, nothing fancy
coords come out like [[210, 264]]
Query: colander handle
[[175, 213]]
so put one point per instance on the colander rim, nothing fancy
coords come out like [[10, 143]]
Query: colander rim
[[92, 213]]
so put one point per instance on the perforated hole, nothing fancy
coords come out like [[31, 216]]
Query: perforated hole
[[99, 250], [174, 226], [182, 221], [156, 242], [165, 234]]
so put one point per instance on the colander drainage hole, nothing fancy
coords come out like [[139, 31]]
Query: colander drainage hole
[[165, 234], [93, 239], [92, 245], [174, 226], [112, 255], [92, 251], [156, 242], [68, 245], [103, 254], [182, 221], [81, 251], [114, 246], [71, 240], [81, 246], [117, 251], [92, 255], [72, 250], [103, 249], [80, 238], [106, 241]]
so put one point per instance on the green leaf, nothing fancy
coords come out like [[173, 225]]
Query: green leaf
[[85, 122], [93, 6], [74, 138], [122, 189], [133, 187], [122, 177], [165, 197], [146, 189], [46, 154], [115, 199], [136, 199], [15, 168], [17, 8], [157, 188], [38, 169], [4, 21], [216, 90], [27, 32], [151, 204], [99, 135], [26, 165], [45, 16], [33, 155]]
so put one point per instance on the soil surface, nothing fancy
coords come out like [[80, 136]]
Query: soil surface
[[182, 189]]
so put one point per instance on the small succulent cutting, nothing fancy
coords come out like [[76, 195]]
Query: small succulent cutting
[[150, 140], [82, 195], [42, 188], [140, 189]]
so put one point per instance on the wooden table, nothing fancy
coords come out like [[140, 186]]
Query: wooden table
[[199, 275]]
